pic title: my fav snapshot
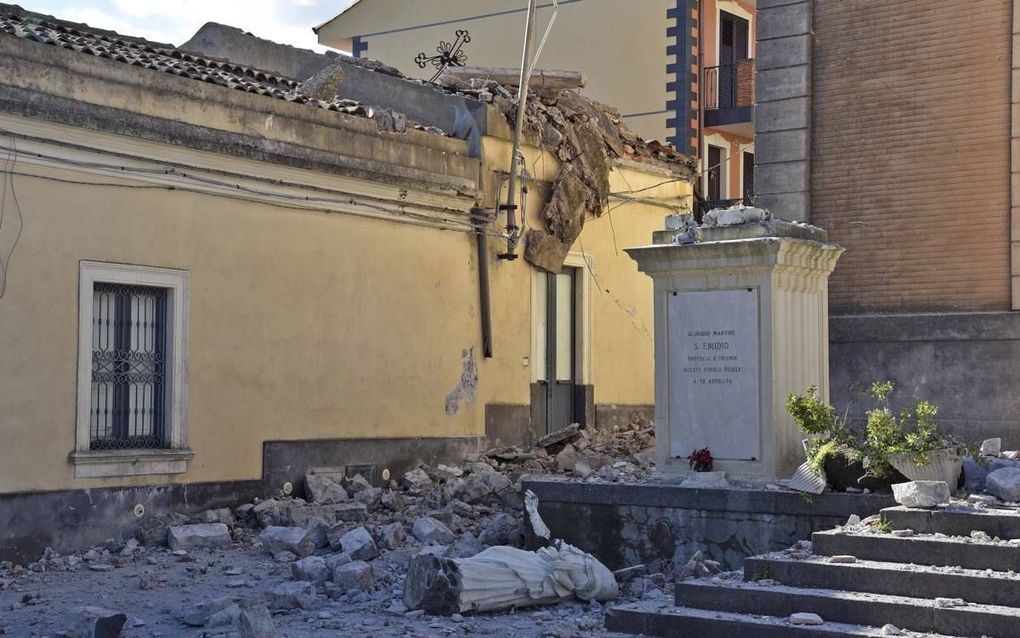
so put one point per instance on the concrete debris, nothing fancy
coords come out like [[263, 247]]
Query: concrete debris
[[417, 481], [804, 618], [311, 568], [991, 447], [428, 530], [199, 614], [706, 481], [295, 540], [359, 544], [1004, 483], [391, 536], [356, 575], [322, 489], [95, 622], [735, 216], [699, 567], [256, 622], [201, 536], [293, 595], [925, 494]]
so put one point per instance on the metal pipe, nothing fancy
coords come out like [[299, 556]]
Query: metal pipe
[[480, 216], [513, 232]]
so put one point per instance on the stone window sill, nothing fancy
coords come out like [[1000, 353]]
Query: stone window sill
[[106, 463]]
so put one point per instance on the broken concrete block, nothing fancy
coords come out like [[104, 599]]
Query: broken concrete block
[[198, 615], [225, 617], [256, 622], [221, 515], [268, 512], [921, 493], [393, 501], [370, 497], [499, 530], [445, 472], [322, 489], [295, 540], [567, 458], [352, 513], [417, 481], [95, 622], [201, 536], [804, 618], [428, 530], [293, 595], [392, 536], [336, 560], [312, 569], [356, 484], [991, 447], [317, 532], [356, 575], [1004, 484], [358, 544]]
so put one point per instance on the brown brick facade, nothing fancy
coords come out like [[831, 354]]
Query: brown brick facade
[[910, 152]]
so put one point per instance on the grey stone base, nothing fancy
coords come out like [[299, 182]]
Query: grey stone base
[[967, 364], [654, 523]]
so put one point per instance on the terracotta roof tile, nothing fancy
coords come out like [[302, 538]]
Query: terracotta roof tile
[[165, 59]]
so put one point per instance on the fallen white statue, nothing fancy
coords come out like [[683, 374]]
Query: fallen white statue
[[505, 577]]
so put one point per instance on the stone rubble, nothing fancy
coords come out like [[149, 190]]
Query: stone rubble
[[334, 561], [924, 494]]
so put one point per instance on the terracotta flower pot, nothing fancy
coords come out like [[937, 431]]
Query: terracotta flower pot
[[943, 465]]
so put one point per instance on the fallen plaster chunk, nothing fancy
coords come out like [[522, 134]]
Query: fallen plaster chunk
[[201, 536], [95, 622], [924, 494], [804, 618], [1004, 483]]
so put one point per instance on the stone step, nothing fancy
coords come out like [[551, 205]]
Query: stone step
[[667, 621], [855, 608], [1003, 523], [921, 549], [876, 577]]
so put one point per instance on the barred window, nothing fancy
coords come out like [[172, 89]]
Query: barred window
[[129, 333]]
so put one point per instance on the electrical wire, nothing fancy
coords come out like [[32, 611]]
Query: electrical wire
[[5, 263]]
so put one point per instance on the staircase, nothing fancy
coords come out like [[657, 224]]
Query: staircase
[[937, 582]]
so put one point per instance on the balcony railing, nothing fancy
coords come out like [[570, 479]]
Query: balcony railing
[[730, 86]]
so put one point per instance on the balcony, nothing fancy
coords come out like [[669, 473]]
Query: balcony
[[729, 97]]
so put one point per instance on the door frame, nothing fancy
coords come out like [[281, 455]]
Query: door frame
[[583, 370]]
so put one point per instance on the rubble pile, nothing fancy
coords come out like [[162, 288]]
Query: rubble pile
[[624, 454], [343, 549]]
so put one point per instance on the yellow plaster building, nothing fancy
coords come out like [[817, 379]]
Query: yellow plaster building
[[213, 282]]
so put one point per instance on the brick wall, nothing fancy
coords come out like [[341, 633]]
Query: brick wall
[[910, 152]]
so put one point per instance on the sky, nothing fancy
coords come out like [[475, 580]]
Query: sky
[[175, 21]]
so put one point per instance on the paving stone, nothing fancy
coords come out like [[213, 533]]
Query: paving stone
[[322, 489], [95, 622], [293, 595], [429, 530], [201, 536], [312, 569], [295, 540], [256, 622], [359, 545], [356, 575], [198, 615]]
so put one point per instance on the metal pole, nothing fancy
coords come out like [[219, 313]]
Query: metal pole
[[481, 217], [522, 102]]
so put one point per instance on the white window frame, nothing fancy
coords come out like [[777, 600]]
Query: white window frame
[[173, 459]]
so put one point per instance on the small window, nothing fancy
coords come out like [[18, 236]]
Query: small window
[[132, 345]]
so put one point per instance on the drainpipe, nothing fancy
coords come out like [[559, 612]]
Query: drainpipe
[[513, 232], [480, 216]]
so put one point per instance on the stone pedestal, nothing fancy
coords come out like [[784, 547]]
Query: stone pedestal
[[741, 322]]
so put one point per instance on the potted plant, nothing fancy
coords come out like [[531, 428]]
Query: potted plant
[[892, 448], [910, 443]]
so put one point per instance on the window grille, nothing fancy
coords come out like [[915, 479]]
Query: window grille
[[129, 336]]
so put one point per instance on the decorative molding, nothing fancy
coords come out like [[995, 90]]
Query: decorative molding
[[89, 463]]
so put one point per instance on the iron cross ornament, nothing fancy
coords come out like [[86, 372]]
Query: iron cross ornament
[[448, 54]]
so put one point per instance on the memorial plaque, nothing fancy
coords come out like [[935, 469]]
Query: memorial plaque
[[714, 373]]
